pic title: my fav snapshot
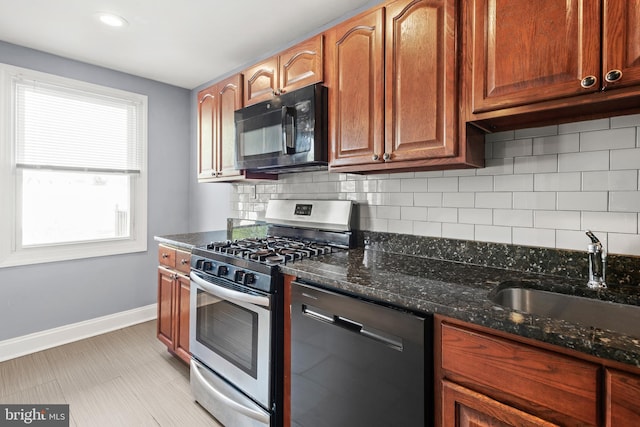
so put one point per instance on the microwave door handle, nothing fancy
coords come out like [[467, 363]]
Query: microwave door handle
[[229, 294], [288, 130]]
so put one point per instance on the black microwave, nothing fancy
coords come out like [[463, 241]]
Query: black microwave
[[285, 134]]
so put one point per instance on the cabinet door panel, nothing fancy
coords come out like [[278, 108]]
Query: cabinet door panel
[[302, 65], [621, 41], [531, 51], [230, 98], [207, 110], [260, 81], [165, 307], [420, 79], [182, 319], [462, 407], [357, 90], [623, 399]]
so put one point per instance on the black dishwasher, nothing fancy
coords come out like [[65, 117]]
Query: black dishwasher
[[357, 363]]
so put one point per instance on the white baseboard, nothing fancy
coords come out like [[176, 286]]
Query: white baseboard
[[27, 344]]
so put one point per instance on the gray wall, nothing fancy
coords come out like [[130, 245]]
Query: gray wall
[[44, 296]]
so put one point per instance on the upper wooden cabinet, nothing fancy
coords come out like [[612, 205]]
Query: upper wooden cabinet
[[217, 132], [549, 55], [393, 90], [296, 67]]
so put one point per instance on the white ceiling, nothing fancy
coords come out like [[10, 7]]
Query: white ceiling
[[180, 42]]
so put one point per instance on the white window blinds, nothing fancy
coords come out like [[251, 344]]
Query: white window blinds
[[63, 128]]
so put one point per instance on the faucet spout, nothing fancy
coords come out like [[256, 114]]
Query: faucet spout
[[597, 256]]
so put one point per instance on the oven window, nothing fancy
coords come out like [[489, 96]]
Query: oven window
[[228, 330]]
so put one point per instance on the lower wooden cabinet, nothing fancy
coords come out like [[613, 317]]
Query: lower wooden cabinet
[[622, 399], [173, 301]]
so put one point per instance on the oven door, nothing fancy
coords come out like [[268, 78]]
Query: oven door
[[231, 334]]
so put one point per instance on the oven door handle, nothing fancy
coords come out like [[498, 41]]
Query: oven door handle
[[229, 294]]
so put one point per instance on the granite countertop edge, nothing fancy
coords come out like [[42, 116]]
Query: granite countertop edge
[[459, 291]]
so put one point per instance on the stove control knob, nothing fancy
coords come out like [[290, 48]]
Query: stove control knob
[[199, 264], [207, 266], [223, 270], [249, 278], [239, 276]]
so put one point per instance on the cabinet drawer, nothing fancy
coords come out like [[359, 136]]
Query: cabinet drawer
[[538, 381], [167, 256], [183, 261]]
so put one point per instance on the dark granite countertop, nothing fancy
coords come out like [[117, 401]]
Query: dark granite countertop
[[461, 291], [188, 241]]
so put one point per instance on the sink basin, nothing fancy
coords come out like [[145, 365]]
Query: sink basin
[[621, 318]]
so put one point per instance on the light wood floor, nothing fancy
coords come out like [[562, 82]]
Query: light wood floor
[[123, 378]]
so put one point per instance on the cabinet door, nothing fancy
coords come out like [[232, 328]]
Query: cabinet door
[[260, 81], [182, 307], [207, 111], [421, 79], [623, 399], [530, 51], [166, 285], [462, 407], [621, 43], [302, 65], [356, 93], [230, 100]]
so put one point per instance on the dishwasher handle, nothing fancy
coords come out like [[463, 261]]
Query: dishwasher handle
[[351, 325]]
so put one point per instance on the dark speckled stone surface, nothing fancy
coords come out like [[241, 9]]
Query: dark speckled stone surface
[[461, 291]]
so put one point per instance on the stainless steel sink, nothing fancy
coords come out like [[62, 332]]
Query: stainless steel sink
[[616, 317]]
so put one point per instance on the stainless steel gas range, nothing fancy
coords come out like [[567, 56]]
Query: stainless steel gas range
[[237, 312]]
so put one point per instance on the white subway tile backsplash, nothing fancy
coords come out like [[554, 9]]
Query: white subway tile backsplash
[[513, 217], [534, 237], [561, 220], [583, 201], [443, 184], [585, 161], [540, 187], [624, 180], [536, 164], [458, 200], [624, 201], [442, 214], [557, 182], [513, 183], [476, 183], [625, 159], [458, 231], [616, 222], [494, 200], [569, 143], [615, 139], [492, 233], [428, 199], [506, 149], [475, 216], [537, 200]]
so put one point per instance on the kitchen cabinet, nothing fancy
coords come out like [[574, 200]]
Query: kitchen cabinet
[[173, 300], [622, 399], [568, 60], [490, 378], [296, 67], [393, 89], [216, 132]]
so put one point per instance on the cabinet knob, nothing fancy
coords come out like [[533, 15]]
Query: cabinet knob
[[375, 157], [183, 261], [386, 157], [588, 82], [613, 76], [165, 256], [214, 173]]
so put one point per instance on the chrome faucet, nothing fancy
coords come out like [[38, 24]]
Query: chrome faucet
[[597, 263]]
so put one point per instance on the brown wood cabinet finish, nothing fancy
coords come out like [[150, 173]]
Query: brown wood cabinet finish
[[296, 67], [393, 88], [567, 61], [622, 399], [551, 386], [173, 301]]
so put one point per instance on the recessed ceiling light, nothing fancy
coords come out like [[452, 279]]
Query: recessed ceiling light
[[112, 20]]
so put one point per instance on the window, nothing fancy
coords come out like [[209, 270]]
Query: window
[[73, 169]]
